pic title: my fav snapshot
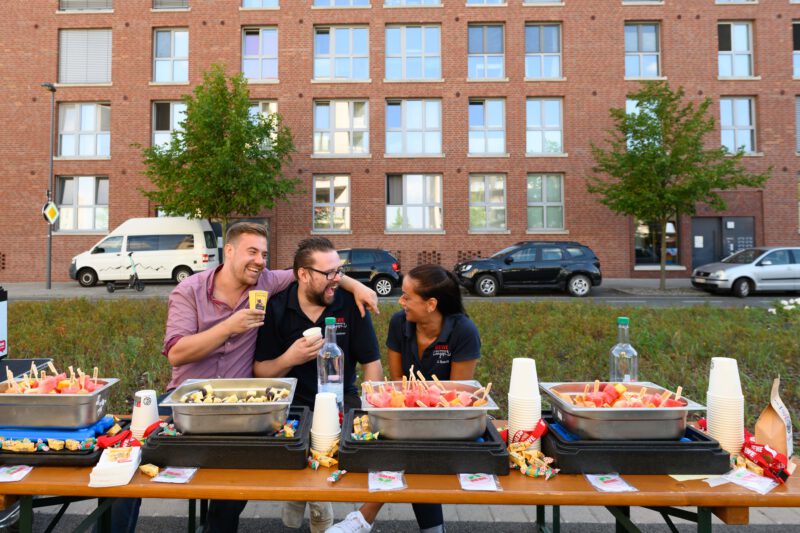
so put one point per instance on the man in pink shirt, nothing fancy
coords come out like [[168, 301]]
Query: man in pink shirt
[[211, 333]]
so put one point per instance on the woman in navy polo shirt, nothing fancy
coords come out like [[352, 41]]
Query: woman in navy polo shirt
[[434, 334]]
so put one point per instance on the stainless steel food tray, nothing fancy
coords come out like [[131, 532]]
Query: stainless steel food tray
[[219, 418], [429, 423], [618, 423], [54, 410]]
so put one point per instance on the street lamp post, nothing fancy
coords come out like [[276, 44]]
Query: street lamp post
[[52, 88]]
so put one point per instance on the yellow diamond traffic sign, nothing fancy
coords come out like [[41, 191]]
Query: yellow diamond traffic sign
[[50, 212]]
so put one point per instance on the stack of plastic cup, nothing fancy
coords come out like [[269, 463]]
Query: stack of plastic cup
[[725, 404], [325, 429], [524, 399], [145, 412]]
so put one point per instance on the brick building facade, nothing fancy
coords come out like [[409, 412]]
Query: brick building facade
[[506, 96]]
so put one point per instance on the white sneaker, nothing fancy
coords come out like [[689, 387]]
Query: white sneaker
[[320, 516], [353, 523], [293, 513]]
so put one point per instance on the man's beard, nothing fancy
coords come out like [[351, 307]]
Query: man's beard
[[319, 297]]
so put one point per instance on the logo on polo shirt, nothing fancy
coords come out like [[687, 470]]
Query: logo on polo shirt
[[341, 326], [441, 354]]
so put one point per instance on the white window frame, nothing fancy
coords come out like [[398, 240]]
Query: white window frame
[[796, 50], [260, 4], [543, 2], [261, 58], [542, 127], [72, 210], [85, 5], [486, 128], [412, 3], [485, 204], [798, 203], [332, 56], [541, 56], [85, 54], [331, 205], [426, 205], [545, 203], [797, 125], [733, 53], [486, 2], [640, 54], [172, 60], [404, 55], [334, 130], [334, 4], [483, 57], [177, 113], [424, 130], [97, 138], [170, 4], [736, 128]]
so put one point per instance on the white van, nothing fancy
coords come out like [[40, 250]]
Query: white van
[[163, 248]]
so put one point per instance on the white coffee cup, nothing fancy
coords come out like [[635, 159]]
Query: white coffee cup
[[145, 411], [325, 420], [524, 381], [312, 334], [723, 377]]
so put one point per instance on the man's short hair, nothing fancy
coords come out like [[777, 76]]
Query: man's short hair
[[242, 228], [306, 247]]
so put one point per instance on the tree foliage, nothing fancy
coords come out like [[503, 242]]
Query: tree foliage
[[657, 164], [223, 160]]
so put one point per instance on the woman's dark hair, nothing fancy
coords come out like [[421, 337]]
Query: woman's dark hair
[[434, 281]]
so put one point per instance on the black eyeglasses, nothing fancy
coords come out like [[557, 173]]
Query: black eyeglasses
[[328, 275]]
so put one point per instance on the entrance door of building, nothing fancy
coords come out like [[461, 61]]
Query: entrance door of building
[[714, 238]]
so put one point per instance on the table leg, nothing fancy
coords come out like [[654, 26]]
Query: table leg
[[622, 515], [192, 516], [26, 514], [556, 519], [703, 520]]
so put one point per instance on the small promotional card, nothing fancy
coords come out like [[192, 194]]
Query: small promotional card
[[747, 479], [173, 474], [385, 480], [480, 482], [14, 473], [612, 482]]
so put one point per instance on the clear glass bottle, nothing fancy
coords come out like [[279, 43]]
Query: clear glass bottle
[[624, 360], [330, 374]]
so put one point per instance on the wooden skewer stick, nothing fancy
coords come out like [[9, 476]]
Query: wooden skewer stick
[[421, 376], [596, 386], [477, 393], [486, 391], [94, 376], [52, 367], [586, 390], [420, 404], [33, 370], [439, 383], [405, 383], [678, 393]]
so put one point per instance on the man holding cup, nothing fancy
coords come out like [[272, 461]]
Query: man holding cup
[[290, 340]]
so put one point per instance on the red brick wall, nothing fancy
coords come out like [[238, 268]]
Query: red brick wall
[[592, 44]]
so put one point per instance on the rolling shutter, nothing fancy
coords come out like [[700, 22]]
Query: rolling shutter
[[170, 4], [84, 56], [85, 5]]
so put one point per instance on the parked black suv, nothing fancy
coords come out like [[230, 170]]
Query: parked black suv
[[565, 265], [374, 267]]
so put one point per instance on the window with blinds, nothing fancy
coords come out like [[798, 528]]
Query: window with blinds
[[84, 56], [170, 4], [85, 5], [797, 123]]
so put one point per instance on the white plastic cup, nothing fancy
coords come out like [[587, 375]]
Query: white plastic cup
[[323, 443], [723, 377], [145, 411], [312, 334], [325, 420], [524, 381]]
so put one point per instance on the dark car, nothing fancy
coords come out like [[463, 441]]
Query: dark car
[[374, 267], [564, 265]]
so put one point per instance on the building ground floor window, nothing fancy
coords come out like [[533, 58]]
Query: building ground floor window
[[83, 203], [648, 238]]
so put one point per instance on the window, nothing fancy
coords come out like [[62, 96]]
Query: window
[[85, 5], [331, 203], [487, 202], [255, 4], [414, 202], [341, 3], [260, 54], [84, 130], [798, 210], [737, 123], [414, 127], [485, 49], [542, 51], [167, 117], [171, 57], [735, 49], [544, 131], [778, 257], [413, 53], [543, 2], [647, 243], [796, 50], [551, 253], [263, 107], [170, 4], [109, 245], [797, 124], [545, 202], [487, 126], [341, 53], [642, 57], [411, 3], [341, 127], [485, 2], [84, 56], [526, 255], [83, 202]]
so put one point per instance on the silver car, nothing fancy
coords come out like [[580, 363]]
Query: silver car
[[774, 268]]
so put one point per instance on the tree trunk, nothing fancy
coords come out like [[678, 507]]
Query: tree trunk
[[662, 284]]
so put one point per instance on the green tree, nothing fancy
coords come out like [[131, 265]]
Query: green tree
[[223, 160], [657, 165]]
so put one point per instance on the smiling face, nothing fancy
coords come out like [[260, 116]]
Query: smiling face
[[316, 287], [415, 306], [246, 257]]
